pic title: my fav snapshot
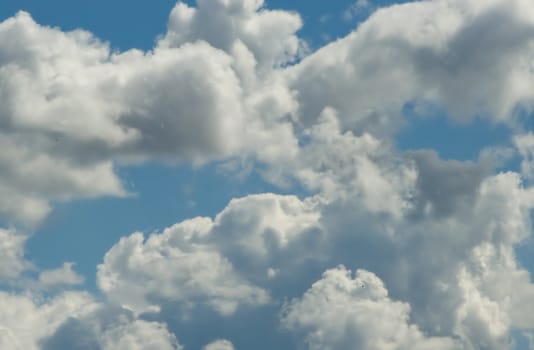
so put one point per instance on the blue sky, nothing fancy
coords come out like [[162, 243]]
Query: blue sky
[[373, 162]]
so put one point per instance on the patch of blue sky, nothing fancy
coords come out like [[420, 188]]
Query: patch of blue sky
[[83, 231], [451, 139], [520, 341], [124, 24], [325, 23], [137, 24]]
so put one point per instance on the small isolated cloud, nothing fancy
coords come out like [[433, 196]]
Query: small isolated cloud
[[63, 276], [219, 345], [325, 18], [355, 9]]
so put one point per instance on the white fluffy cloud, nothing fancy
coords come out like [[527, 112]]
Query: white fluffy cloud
[[25, 319], [341, 165], [48, 101], [139, 335], [268, 34], [172, 267], [71, 109], [339, 312], [219, 345], [75, 320]]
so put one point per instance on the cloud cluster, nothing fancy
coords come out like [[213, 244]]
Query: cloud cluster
[[72, 108], [451, 270], [432, 240]]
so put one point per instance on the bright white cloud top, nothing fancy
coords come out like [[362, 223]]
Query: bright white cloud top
[[377, 248]]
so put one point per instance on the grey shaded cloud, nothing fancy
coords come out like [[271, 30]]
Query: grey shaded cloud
[[445, 186]]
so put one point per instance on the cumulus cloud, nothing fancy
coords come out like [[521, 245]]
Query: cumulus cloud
[[139, 335], [341, 312], [172, 266], [269, 34], [421, 259], [267, 235], [434, 266], [182, 102], [219, 345], [25, 319], [75, 320], [72, 109], [339, 165], [109, 327], [124, 101]]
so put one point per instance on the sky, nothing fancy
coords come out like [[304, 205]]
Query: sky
[[248, 174]]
